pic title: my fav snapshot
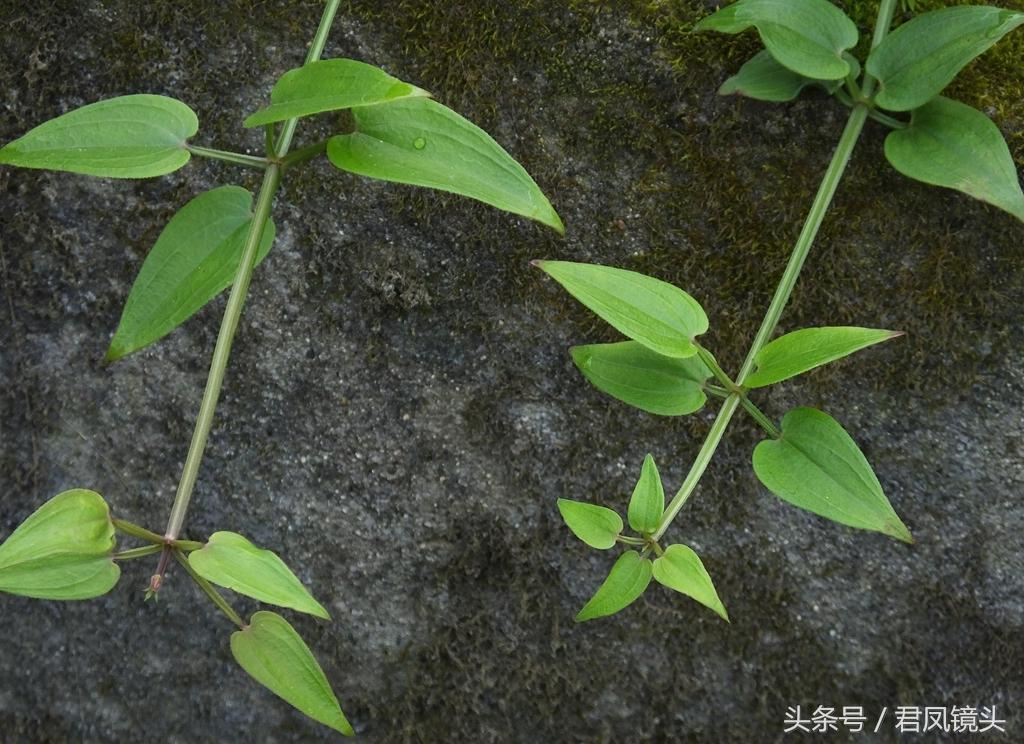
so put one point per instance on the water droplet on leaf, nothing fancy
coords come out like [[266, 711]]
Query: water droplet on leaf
[[419, 143]]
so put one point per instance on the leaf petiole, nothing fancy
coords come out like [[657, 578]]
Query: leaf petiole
[[873, 113], [303, 154], [731, 388], [127, 555], [758, 415], [209, 591], [630, 540], [238, 158], [140, 532], [271, 140]]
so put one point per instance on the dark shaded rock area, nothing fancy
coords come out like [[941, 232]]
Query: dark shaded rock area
[[401, 414]]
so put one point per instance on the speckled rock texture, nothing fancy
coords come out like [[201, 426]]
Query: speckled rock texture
[[401, 413]]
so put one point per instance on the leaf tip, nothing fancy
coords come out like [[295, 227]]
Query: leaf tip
[[114, 352], [901, 533], [552, 220]]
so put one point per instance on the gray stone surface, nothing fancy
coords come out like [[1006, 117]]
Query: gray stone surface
[[400, 412]]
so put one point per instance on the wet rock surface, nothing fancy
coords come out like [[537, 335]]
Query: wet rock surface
[[400, 412]]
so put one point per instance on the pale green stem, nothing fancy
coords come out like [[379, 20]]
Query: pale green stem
[[237, 158], [829, 184], [233, 311], [209, 591], [700, 463]]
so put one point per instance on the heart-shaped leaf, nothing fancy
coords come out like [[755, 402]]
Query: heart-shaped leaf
[[328, 85], [950, 144], [817, 466], [136, 136], [647, 503], [803, 350], [194, 259], [231, 561], [681, 569], [652, 382], [595, 525], [627, 580], [62, 551], [657, 314], [274, 655], [420, 142], [806, 36], [762, 77], [920, 58]]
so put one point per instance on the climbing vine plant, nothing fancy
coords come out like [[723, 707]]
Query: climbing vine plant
[[66, 550], [807, 459]]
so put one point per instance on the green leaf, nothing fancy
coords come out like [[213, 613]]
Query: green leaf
[[194, 259], [920, 58], [137, 136], [654, 313], [62, 551], [762, 77], [595, 525], [231, 561], [328, 85], [681, 569], [274, 655], [420, 142], [642, 378], [627, 580], [950, 144], [647, 503], [803, 350], [818, 467], [806, 36]]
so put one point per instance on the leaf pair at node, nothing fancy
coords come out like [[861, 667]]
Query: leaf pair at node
[[676, 567], [811, 462], [65, 551], [946, 143], [401, 135], [269, 648]]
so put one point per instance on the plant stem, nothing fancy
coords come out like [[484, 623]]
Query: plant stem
[[827, 189], [822, 200], [126, 555], [209, 591], [700, 464], [140, 532], [237, 158], [233, 311]]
